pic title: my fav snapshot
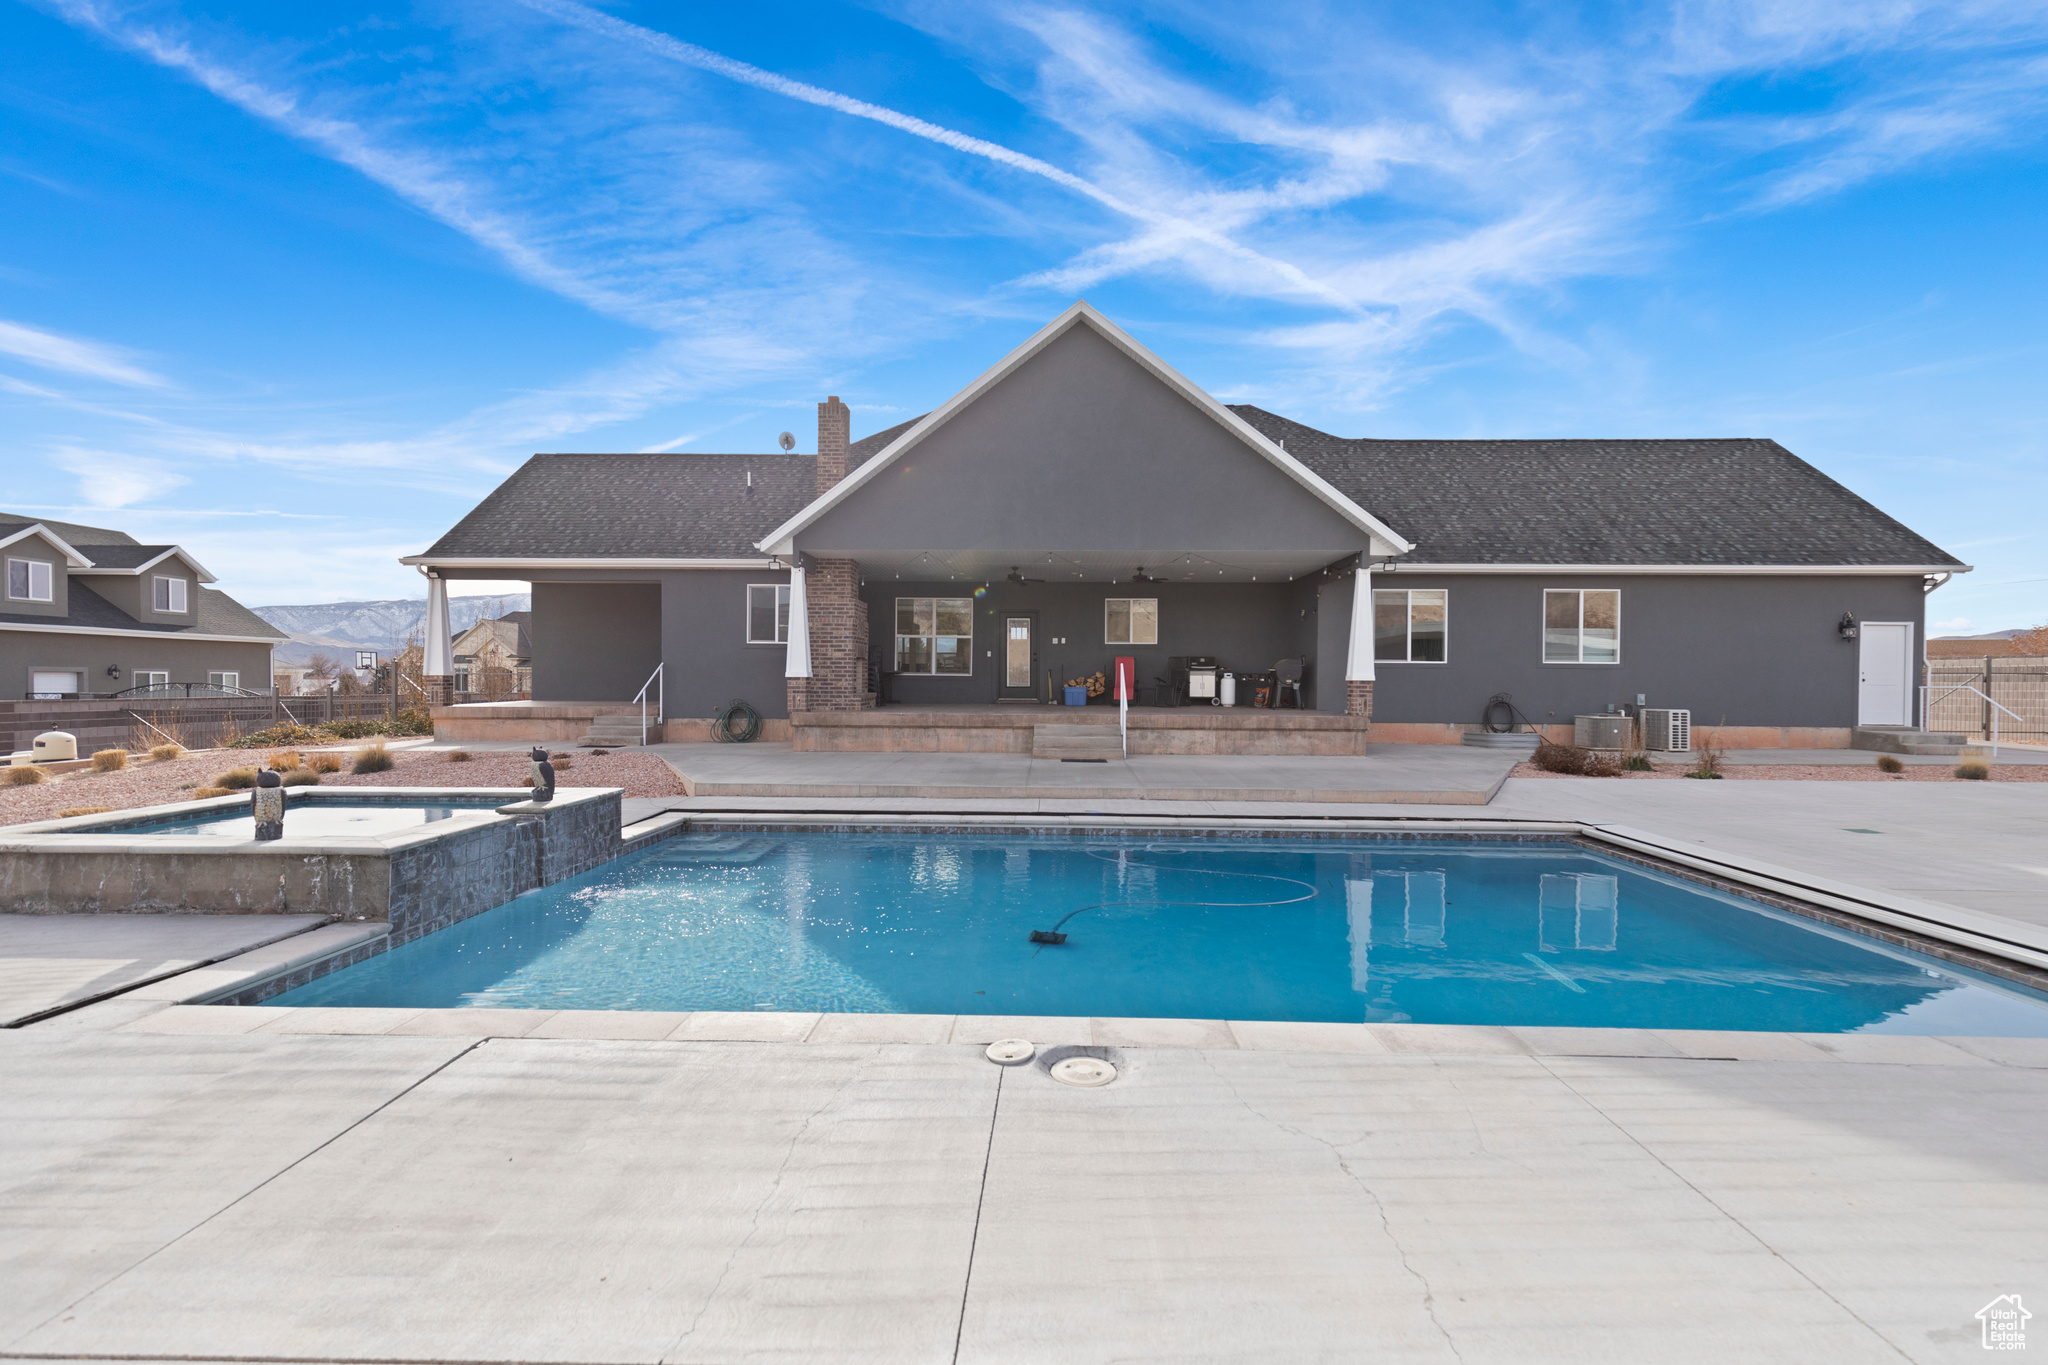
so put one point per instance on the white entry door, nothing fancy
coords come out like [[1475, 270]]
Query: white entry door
[[1884, 661]]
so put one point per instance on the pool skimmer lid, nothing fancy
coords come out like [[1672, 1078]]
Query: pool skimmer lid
[[1083, 1071], [1011, 1052]]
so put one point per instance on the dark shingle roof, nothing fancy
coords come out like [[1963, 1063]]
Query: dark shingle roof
[[636, 506], [867, 447], [71, 533], [120, 556], [217, 614], [1734, 501]]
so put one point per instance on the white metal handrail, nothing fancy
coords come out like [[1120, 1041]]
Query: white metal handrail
[[655, 681], [1927, 709]]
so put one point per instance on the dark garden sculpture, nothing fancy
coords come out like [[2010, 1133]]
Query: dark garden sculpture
[[543, 776], [266, 803]]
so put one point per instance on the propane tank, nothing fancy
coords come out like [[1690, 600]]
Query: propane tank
[[1230, 689]]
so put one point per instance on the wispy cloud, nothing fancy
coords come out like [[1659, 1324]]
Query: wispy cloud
[[70, 355], [109, 480]]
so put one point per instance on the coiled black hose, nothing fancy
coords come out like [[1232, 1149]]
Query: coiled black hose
[[736, 723], [1501, 701]]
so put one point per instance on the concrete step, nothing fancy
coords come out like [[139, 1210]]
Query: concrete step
[[1900, 739], [1524, 743], [1076, 741], [615, 732]]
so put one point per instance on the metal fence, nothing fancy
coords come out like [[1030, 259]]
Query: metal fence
[[2018, 684]]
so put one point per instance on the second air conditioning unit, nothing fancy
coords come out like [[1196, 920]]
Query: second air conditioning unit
[[1667, 730]]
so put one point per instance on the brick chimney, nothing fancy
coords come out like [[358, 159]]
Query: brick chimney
[[835, 433]]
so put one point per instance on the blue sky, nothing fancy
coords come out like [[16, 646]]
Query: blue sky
[[295, 286]]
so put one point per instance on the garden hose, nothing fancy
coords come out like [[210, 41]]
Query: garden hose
[[736, 723]]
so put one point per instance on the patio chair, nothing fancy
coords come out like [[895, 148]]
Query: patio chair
[[1287, 673]]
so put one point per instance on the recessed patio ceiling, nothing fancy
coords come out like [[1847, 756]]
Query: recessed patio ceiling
[[1107, 566]]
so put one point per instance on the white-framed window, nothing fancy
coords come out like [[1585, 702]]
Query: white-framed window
[[1130, 621], [233, 680], [28, 580], [170, 594], [152, 677], [1411, 625], [462, 677], [935, 635], [767, 613], [1582, 625]]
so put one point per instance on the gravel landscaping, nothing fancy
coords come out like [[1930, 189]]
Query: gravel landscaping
[[1816, 772], [147, 783]]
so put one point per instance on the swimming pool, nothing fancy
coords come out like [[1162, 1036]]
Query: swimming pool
[[1357, 931], [309, 819]]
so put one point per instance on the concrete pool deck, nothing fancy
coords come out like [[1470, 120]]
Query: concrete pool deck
[[315, 1197]]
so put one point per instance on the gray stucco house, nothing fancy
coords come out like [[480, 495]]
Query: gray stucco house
[[1082, 501], [89, 611]]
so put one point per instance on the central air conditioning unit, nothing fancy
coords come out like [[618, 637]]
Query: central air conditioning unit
[[1669, 731], [1600, 732]]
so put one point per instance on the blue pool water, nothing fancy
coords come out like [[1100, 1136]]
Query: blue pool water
[[309, 819], [1191, 928]]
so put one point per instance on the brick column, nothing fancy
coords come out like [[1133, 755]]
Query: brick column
[[440, 689], [1358, 699], [839, 641]]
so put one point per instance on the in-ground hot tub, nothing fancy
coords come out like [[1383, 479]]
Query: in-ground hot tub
[[418, 858]]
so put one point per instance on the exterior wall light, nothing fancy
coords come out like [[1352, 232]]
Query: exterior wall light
[[1846, 627]]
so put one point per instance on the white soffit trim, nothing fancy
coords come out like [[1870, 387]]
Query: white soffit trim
[[1385, 540], [72, 558], [445, 562], [1409, 569], [206, 575], [271, 640]]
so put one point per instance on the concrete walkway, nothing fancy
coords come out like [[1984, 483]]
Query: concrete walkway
[[1408, 774], [51, 962], [422, 1198]]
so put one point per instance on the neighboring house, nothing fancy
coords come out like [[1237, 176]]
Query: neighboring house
[[493, 656], [1082, 501], [86, 611]]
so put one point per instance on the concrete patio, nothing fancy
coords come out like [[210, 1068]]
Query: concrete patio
[[313, 1197]]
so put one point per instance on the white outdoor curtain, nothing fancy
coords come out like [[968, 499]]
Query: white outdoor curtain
[[798, 663], [1358, 663], [438, 657]]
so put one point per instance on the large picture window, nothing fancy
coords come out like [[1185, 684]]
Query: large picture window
[[1410, 625], [170, 594], [1130, 621], [28, 580], [935, 635], [1581, 625], [767, 613]]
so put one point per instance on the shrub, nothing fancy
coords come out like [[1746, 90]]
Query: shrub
[[1974, 772], [110, 760], [410, 723], [527, 782], [301, 777], [562, 762], [1637, 763], [374, 758], [276, 735], [25, 775], [1573, 761], [353, 729], [234, 780], [459, 755], [1887, 764], [83, 810], [1708, 766], [203, 793], [286, 762], [325, 763], [164, 753]]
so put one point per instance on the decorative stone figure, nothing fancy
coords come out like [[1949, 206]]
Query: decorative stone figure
[[266, 803], [543, 775]]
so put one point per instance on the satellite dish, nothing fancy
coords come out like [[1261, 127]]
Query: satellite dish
[[786, 441]]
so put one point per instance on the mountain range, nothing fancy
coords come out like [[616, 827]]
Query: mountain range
[[338, 629]]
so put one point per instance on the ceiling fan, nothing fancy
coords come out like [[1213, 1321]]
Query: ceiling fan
[[1142, 577], [1016, 575]]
